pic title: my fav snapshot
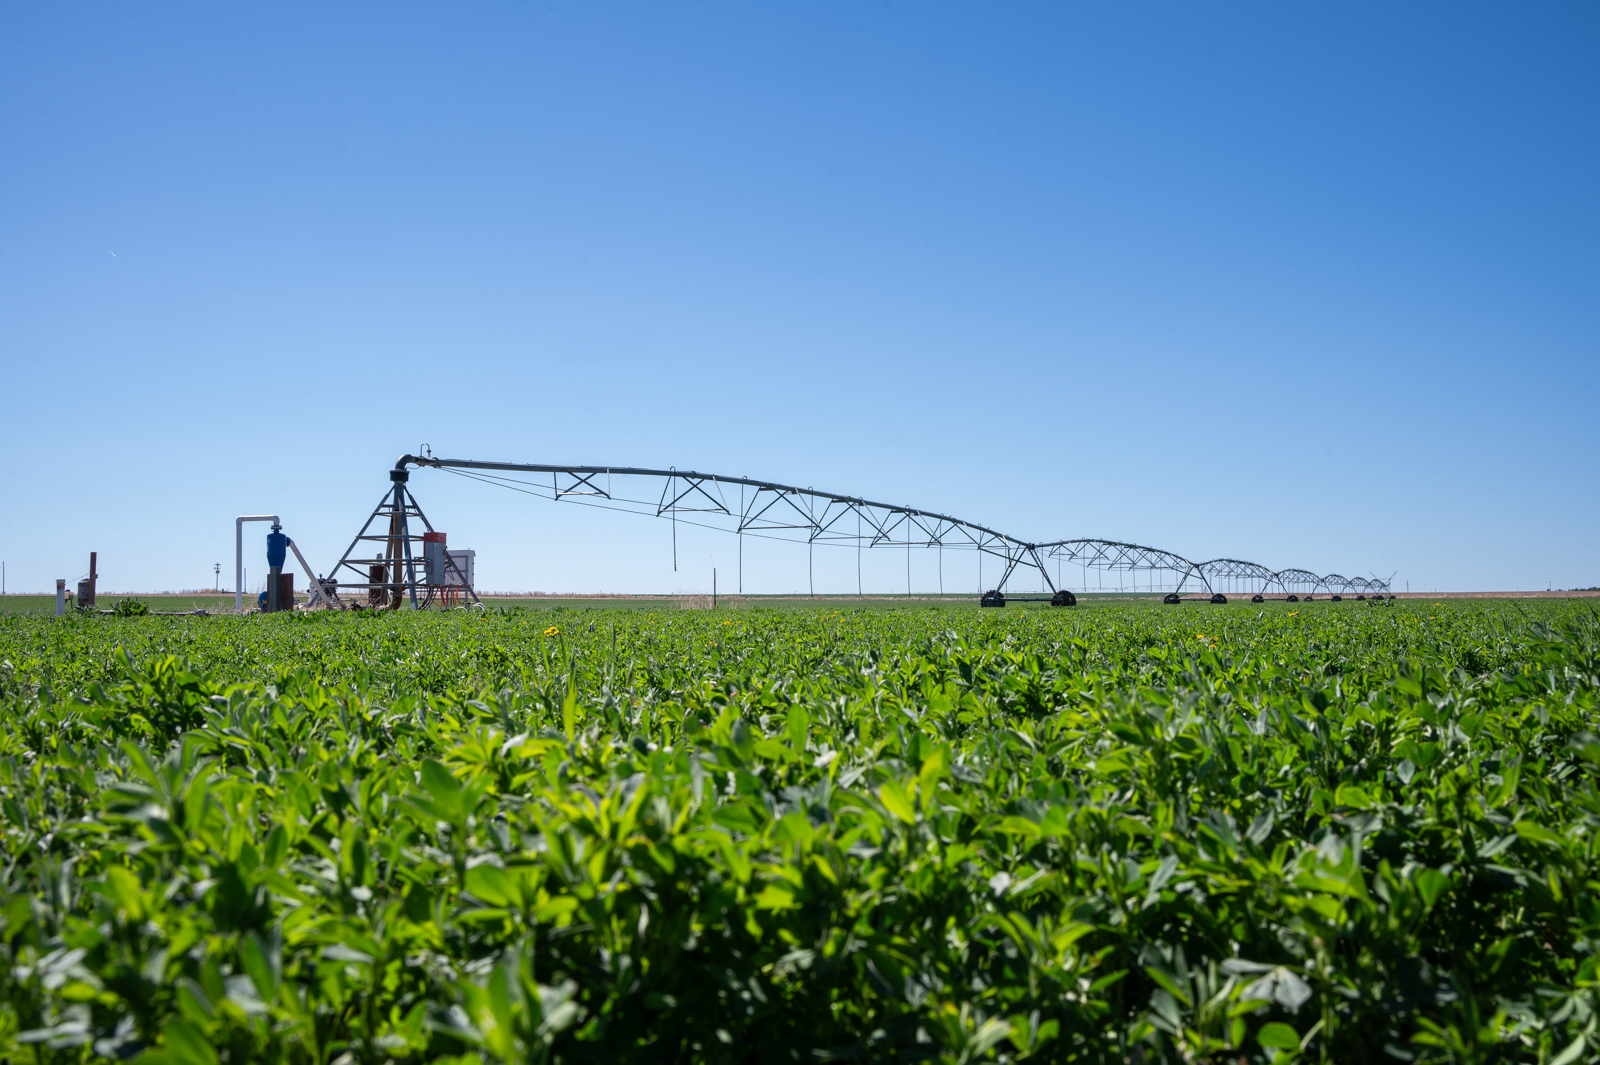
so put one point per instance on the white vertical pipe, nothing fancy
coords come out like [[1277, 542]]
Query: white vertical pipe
[[238, 555]]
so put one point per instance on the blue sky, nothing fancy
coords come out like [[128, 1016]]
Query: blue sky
[[1310, 284]]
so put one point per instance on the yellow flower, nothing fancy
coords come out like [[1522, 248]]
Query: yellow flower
[[1295, 614], [552, 631]]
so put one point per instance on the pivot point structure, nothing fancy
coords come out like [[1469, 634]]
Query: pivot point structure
[[389, 578]]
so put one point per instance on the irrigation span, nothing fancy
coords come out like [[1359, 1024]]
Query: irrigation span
[[747, 507]]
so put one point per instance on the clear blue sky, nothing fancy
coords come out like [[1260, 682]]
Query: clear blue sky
[[1310, 284]]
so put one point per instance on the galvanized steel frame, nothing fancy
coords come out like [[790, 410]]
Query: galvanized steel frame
[[400, 506], [820, 517]]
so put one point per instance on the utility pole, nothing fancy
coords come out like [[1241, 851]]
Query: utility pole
[[216, 569]]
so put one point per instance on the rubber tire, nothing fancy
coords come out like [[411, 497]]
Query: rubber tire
[[1219, 599], [1258, 599], [1171, 598], [1063, 598], [1292, 599]]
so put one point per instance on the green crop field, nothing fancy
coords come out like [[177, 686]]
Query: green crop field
[[223, 603], [1334, 832]]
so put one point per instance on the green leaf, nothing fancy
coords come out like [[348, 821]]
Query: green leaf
[[263, 961], [418, 904], [186, 1044], [740, 817], [933, 767], [778, 895], [500, 1036], [493, 885], [798, 725], [553, 911], [122, 888], [665, 858], [1431, 884], [1314, 882], [794, 828], [1574, 1052], [898, 803], [1537, 833], [989, 1033], [1587, 744], [277, 846], [1169, 984], [1107, 980], [1113, 763], [743, 740], [193, 1002], [484, 915], [1278, 1036], [1019, 825], [444, 788], [1131, 826], [1070, 935], [1352, 796], [773, 751], [569, 709]]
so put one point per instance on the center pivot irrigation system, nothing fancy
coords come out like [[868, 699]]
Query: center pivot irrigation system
[[748, 507]]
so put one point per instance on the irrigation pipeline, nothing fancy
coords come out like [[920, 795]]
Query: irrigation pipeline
[[770, 510]]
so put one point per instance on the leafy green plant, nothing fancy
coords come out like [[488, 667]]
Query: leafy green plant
[[1123, 835], [130, 608]]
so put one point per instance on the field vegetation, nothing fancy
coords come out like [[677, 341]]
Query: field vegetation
[[1333, 832]]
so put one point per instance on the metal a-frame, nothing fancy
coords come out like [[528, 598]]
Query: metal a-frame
[[386, 578]]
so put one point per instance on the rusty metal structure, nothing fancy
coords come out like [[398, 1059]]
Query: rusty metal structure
[[747, 507]]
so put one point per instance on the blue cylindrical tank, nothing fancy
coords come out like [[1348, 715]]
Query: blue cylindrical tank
[[277, 548]]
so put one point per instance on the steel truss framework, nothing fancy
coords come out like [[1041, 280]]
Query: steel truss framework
[[388, 577], [815, 518]]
